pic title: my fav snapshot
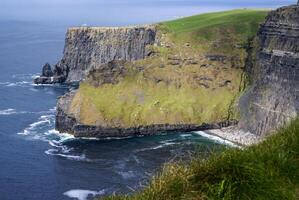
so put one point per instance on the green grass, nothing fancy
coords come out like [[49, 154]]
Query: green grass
[[219, 31], [138, 101], [269, 170], [242, 20]]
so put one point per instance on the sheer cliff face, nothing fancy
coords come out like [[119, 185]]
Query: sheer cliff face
[[88, 47], [273, 99]]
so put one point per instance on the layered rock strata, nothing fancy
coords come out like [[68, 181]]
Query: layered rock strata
[[88, 47], [273, 99]]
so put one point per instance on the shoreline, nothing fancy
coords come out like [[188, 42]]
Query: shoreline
[[233, 135]]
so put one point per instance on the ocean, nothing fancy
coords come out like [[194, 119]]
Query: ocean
[[36, 162]]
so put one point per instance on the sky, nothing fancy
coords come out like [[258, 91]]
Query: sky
[[119, 12]]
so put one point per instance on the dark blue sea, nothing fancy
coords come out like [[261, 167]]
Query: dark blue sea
[[38, 163]]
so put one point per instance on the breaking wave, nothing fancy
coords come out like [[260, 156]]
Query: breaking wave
[[43, 129], [8, 111], [80, 194], [163, 144], [216, 139]]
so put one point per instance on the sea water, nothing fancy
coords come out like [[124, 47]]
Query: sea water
[[36, 162]]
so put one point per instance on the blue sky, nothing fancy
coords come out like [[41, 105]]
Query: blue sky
[[102, 12]]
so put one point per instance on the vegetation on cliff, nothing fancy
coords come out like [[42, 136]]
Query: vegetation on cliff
[[269, 170], [193, 76]]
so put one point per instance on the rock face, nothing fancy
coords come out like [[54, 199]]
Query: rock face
[[89, 47], [273, 99]]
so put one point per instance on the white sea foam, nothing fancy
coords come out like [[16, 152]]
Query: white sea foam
[[186, 135], [8, 111], [33, 128], [80, 194], [163, 145], [24, 76], [216, 138], [19, 84], [49, 85], [11, 111], [53, 152]]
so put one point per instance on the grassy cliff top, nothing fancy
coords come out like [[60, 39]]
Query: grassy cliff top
[[216, 32], [245, 21], [194, 76]]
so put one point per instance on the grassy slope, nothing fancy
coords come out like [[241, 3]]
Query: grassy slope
[[269, 170], [178, 96]]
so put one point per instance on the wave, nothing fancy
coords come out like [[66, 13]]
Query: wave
[[43, 129], [82, 157], [20, 83], [163, 145], [8, 111], [33, 128], [25, 76], [12, 111], [56, 85], [216, 139], [80, 194], [186, 135], [16, 84]]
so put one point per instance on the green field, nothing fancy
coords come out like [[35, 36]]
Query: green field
[[179, 84], [269, 170]]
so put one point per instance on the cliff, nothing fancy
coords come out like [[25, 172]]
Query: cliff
[[186, 76], [273, 99], [88, 47]]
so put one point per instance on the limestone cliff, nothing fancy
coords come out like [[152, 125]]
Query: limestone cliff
[[273, 99], [87, 47]]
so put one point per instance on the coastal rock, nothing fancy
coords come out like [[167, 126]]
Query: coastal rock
[[273, 99]]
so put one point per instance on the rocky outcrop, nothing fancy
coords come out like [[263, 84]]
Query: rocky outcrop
[[89, 47], [273, 99]]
